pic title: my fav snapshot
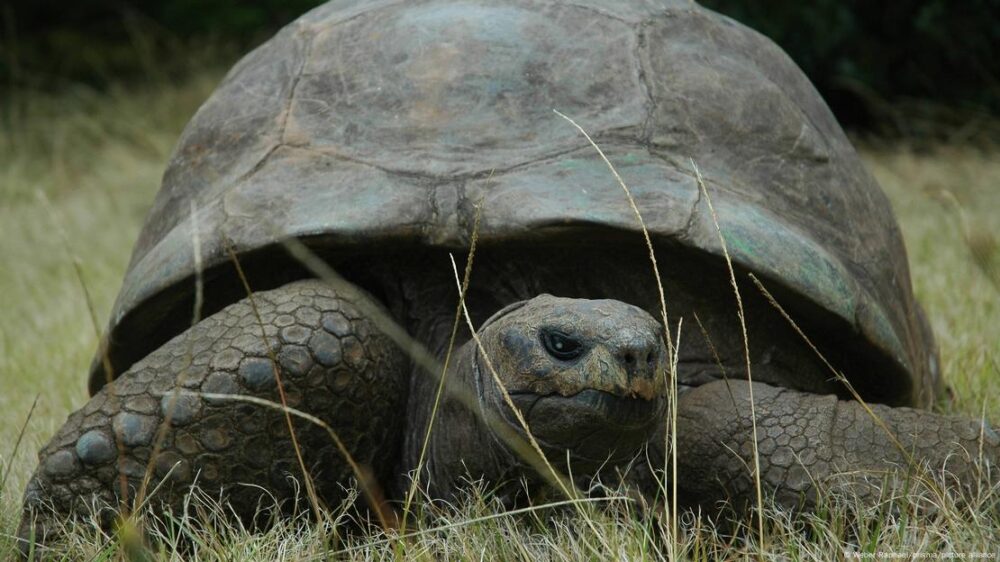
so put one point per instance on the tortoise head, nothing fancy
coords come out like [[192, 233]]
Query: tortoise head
[[588, 375]]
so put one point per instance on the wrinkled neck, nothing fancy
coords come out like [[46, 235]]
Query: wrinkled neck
[[461, 447]]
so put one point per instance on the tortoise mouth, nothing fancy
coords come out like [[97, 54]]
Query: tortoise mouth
[[593, 425], [623, 411]]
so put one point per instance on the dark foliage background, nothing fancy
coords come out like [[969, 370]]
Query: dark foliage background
[[876, 62], [881, 62]]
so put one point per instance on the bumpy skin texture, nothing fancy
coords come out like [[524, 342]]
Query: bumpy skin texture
[[597, 406], [620, 347], [333, 364], [809, 443]]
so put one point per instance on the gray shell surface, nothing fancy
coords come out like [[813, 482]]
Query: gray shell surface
[[389, 120]]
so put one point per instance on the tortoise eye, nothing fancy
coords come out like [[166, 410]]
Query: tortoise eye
[[560, 345]]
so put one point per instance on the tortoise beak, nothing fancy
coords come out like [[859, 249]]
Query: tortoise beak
[[632, 370]]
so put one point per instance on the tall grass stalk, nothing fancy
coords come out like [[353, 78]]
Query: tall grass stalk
[[462, 289], [758, 488]]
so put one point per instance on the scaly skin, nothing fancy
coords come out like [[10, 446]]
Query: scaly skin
[[599, 407], [805, 439], [334, 365]]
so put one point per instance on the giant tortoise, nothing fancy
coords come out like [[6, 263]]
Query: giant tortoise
[[381, 137]]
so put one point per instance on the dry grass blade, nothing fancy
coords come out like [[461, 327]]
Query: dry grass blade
[[642, 226], [711, 346], [103, 351], [17, 444], [463, 288], [671, 351], [982, 431], [672, 426], [364, 477], [276, 370], [495, 516], [746, 350], [168, 415], [385, 324], [415, 350], [715, 357], [199, 283], [564, 484], [837, 374]]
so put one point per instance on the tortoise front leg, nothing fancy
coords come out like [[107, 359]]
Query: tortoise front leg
[[333, 365], [809, 439]]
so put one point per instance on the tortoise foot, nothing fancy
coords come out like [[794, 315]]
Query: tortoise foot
[[176, 419], [812, 444]]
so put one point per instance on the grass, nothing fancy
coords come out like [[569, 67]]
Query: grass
[[98, 159]]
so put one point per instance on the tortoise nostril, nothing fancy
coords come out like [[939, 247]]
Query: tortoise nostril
[[639, 358]]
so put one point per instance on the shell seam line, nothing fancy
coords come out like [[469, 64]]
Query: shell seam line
[[686, 229], [295, 84], [466, 177], [600, 12], [640, 49]]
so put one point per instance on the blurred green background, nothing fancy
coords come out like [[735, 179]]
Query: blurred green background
[[901, 67]]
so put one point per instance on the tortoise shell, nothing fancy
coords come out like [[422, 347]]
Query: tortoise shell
[[389, 121]]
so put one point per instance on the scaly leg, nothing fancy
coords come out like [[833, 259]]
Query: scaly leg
[[808, 439], [333, 365]]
